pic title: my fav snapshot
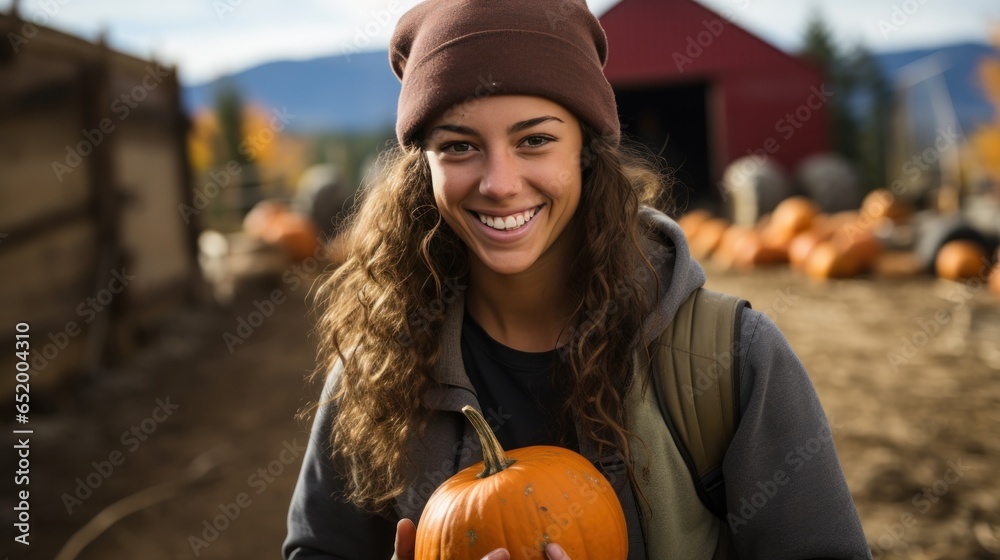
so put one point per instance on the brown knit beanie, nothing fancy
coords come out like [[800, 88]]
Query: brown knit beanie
[[451, 52]]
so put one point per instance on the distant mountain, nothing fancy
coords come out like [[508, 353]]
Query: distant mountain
[[335, 93], [358, 93]]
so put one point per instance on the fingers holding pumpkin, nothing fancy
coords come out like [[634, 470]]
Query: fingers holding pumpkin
[[406, 537], [555, 552], [552, 552]]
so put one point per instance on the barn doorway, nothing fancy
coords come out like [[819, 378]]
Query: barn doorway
[[673, 122]]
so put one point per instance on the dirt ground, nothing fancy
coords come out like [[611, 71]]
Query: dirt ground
[[908, 372]]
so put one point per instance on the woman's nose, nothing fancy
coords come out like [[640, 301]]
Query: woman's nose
[[501, 178]]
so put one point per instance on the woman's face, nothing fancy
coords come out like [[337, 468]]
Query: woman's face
[[506, 175]]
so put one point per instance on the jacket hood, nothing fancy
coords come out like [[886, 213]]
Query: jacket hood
[[680, 275]]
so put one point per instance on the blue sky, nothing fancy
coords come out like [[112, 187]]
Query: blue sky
[[208, 38]]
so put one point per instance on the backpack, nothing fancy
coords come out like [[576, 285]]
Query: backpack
[[702, 407], [694, 370]]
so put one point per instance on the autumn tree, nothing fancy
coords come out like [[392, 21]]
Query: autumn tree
[[986, 140]]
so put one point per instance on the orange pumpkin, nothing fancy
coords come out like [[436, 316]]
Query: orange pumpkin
[[959, 260], [827, 260], [692, 221], [295, 233], [708, 238], [262, 217], [749, 251], [522, 500], [861, 244], [791, 217], [803, 245], [723, 254], [882, 204]]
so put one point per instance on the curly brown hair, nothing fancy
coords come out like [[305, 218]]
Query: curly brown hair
[[399, 254]]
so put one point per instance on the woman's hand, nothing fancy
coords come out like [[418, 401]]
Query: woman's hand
[[556, 552], [406, 539], [552, 552]]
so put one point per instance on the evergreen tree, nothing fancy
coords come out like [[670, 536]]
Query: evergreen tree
[[860, 108], [229, 110]]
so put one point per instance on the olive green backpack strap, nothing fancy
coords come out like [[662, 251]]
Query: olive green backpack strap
[[696, 377]]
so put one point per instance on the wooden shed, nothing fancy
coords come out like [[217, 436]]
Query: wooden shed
[[93, 172], [688, 79]]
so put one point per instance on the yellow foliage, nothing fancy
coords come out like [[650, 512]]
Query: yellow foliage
[[278, 157], [986, 140], [203, 141]]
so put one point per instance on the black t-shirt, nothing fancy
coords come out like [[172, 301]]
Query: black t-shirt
[[516, 390]]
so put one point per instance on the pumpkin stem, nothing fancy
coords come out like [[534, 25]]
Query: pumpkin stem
[[494, 459]]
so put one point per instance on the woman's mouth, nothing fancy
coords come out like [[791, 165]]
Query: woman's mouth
[[510, 221]]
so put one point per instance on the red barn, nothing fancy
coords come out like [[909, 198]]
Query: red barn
[[706, 92]]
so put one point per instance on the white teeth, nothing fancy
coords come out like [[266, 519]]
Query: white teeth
[[510, 222]]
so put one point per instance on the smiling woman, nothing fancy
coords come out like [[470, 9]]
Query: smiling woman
[[507, 178], [511, 257]]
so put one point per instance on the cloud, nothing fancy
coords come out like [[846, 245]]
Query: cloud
[[208, 38]]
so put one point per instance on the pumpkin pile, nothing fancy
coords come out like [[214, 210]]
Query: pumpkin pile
[[823, 246], [522, 500], [841, 245], [272, 222]]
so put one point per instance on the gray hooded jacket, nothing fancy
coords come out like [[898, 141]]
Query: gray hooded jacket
[[786, 493]]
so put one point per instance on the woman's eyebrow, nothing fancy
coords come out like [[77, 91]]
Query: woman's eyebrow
[[518, 127], [453, 128], [514, 128]]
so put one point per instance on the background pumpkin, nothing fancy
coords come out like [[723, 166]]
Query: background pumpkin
[[521, 501], [959, 260]]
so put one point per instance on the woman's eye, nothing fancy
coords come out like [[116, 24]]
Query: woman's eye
[[536, 141], [457, 147]]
